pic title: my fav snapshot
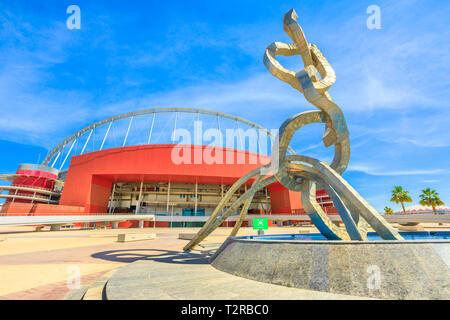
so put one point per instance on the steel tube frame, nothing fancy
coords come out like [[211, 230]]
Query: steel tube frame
[[128, 131], [87, 140], [67, 155], [151, 129], [174, 128], [106, 135]]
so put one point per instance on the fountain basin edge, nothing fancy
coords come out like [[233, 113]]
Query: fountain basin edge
[[409, 269]]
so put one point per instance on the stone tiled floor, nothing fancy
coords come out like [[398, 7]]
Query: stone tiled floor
[[191, 277], [34, 265]]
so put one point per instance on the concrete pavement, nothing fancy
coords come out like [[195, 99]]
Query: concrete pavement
[[189, 276], [34, 265]]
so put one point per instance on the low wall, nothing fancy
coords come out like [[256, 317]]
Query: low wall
[[52, 209], [379, 269], [18, 208], [21, 208]]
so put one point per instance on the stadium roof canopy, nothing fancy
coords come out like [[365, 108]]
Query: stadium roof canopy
[[154, 126]]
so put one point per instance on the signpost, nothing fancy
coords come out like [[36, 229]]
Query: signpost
[[260, 224]]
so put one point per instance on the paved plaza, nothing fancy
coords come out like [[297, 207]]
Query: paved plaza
[[37, 265]]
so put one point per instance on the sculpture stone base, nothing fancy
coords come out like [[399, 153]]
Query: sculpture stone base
[[378, 269]]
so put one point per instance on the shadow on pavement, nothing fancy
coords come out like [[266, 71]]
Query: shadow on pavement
[[166, 256]]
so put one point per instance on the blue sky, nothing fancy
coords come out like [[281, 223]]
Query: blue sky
[[392, 83]]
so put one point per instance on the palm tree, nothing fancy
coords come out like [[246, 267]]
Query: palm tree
[[388, 211], [400, 196], [430, 198]]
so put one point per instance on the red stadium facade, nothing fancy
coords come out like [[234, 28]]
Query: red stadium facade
[[146, 179]]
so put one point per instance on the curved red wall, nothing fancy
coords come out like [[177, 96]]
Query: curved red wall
[[90, 176]]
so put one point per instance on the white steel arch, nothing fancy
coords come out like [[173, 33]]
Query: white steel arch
[[56, 152]]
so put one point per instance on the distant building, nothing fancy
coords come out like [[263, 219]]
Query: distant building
[[419, 209]]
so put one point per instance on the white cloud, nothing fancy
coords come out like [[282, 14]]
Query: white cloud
[[259, 97], [375, 171]]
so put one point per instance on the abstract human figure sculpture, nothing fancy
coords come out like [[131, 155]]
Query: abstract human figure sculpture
[[301, 173]]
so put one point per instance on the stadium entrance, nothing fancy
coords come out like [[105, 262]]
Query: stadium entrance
[[177, 199]]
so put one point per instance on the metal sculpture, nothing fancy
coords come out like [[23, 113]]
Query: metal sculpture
[[301, 173]]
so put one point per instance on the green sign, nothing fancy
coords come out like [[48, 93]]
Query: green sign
[[260, 224]]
